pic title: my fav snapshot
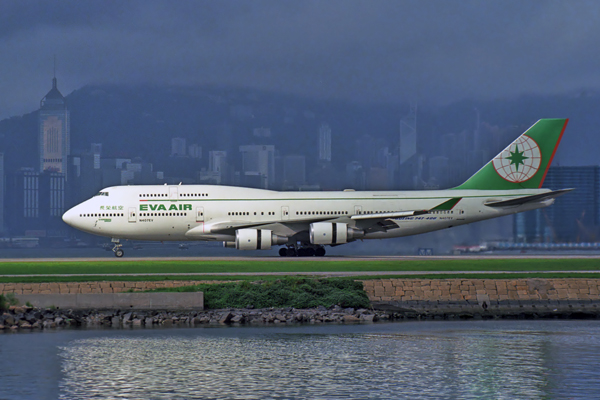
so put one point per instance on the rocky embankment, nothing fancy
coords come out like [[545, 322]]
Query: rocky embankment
[[26, 318]]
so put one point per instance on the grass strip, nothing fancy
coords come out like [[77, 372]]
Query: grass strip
[[246, 266], [137, 278], [287, 292]]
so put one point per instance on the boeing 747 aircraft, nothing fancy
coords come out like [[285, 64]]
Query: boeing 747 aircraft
[[305, 222]]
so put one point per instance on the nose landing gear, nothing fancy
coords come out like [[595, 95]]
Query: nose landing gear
[[117, 249]]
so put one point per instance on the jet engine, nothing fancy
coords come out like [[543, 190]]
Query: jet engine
[[333, 233], [256, 239]]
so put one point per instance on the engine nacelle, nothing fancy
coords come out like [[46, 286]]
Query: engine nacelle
[[257, 239], [328, 233], [333, 233]]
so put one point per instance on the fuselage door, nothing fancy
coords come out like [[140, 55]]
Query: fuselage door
[[285, 213], [199, 214], [461, 214], [357, 210], [132, 214], [173, 192]]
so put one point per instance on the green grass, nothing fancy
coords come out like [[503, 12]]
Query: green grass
[[7, 301], [98, 269], [243, 266], [287, 292]]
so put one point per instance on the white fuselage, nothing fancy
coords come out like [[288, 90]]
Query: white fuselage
[[213, 213]]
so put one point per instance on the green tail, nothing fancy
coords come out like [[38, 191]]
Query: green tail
[[524, 163]]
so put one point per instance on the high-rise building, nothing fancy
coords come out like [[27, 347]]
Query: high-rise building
[[96, 150], [438, 171], [178, 148], [54, 132], [258, 166], [37, 203], [262, 132], [217, 161], [355, 176], [574, 217], [408, 168], [324, 142], [1, 193], [294, 172], [195, 151], [407, 146]]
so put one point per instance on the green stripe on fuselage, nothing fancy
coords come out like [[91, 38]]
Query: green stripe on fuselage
[[447, 205]]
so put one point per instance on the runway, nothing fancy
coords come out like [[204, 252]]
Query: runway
[[312, 259]]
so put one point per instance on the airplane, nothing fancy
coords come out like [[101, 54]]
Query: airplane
[[303, 223]]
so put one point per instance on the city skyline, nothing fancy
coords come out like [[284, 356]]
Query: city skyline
[[377, 52], [330, 151]]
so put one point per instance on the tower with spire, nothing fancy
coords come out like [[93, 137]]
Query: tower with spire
[[54, 131]]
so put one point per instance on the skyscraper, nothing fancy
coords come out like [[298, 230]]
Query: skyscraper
[[258, 166], [1, 193], [574, 217], [54, 131], [408, 172], [217, 161], [178, 148], [407, 146], [324, 142]]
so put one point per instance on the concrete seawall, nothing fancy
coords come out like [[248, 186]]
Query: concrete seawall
[[448, 298], [492, 297], [468, 289], [378, 290], [92, 287]]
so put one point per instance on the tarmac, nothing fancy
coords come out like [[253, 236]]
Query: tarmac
[[313, 259]]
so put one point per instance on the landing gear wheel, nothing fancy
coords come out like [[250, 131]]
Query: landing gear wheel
[[283, 252], [320, 252], [310, 252], [119, 253], [290, 252]]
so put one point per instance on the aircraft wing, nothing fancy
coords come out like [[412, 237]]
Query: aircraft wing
[[528, 199], [390, 215], [373, 222], [382, 222], [229, 227]]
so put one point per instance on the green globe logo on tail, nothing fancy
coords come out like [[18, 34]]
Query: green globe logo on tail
[[520, 161], [524, 163]]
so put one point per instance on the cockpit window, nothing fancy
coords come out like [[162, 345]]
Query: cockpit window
[[102, 194]]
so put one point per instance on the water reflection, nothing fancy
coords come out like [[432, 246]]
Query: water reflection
[[369, 363]]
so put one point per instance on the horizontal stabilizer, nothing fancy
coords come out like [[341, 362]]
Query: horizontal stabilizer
[[528, 199]]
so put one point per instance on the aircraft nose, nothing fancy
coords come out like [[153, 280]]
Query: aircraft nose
[[69, 217]]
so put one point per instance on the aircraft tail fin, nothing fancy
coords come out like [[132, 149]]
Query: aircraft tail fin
[[524, 163]]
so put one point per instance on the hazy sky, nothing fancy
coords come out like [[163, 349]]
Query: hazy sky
[[373, 51]]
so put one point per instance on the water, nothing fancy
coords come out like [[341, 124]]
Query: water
[[420, 360]]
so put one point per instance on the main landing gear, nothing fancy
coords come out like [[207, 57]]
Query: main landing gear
[[117, 249], [304, 251]]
